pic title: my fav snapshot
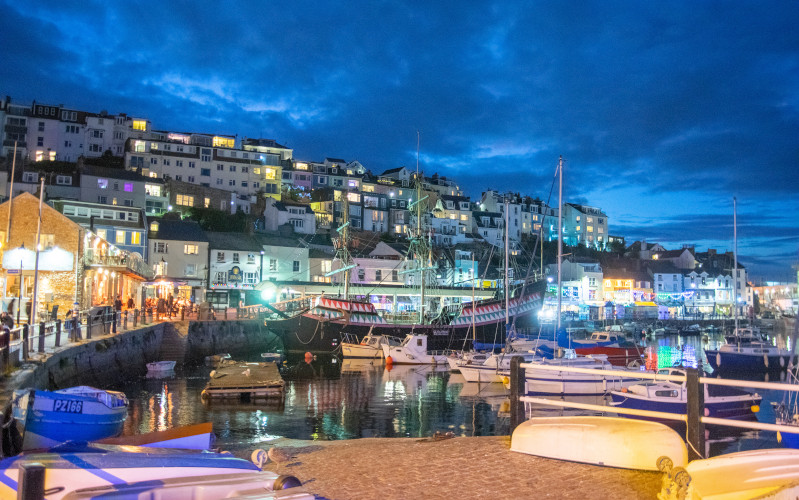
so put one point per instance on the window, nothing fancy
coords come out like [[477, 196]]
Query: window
[[102, 183], [378, 275], [250, 258], [231, 182], [250, 278], [233, 168], [120, 237], [273, 265], [178, 163], [295, 266], [221, 277], [128, 187], [220, 167], [139, 125], [244, 169], [178, 177], [191, 270], [244, 184], [191, 178], [361, 274], [184, 200], [235, 257], [220, 256], [160, 247], [101, 233], [116, 186], [47, 241], [206, 202], [135, 238], [41, 126], [192, 164], [63, 180], [191, 249], [102, 199], [205, 172], [40, 141], [29, 177]]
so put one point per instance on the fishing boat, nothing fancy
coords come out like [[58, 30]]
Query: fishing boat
[[413, 351], [160, 366], [370, 346], [770, 473], [322, 326], [106, 471], [82, 413], [606, 441], [670, 397], [617, 350]]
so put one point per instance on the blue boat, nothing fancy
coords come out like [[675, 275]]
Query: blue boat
[[82, 413], [750, 357], [670, 397]]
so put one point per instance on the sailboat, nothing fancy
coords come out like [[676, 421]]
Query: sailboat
[[321, 327], [540, 380], [745, 354]]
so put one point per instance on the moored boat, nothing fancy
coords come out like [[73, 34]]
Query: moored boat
[[750, 357], [104, 471], [492, 369], [413, 351], [370, 346], [606, 441], [160, 366], [81, 413], [670, 397], [770, 473]]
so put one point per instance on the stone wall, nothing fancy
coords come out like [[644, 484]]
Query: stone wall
[[240, 338]]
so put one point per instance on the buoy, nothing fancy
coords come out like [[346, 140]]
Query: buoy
[[755, 408], [308, 357], [389, 361]]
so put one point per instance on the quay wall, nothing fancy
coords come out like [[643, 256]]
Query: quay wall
[[110, 359]]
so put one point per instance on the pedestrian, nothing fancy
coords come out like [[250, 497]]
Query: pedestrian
[[170, 301], [160, 307], [118, 304], [131, 304]]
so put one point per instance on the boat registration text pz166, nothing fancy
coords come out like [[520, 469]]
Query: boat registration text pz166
[[67, 406]]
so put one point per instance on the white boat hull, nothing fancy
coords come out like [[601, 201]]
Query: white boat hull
[[744, 475], [361, 351], [606, 441], [160, 366], [481, 374]]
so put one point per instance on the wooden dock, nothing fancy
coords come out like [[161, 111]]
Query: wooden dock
[[244, 381]]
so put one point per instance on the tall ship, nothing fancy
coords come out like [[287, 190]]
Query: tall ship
[[327, 321]]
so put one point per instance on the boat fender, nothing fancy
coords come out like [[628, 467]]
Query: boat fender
[[707, 412], [284, 482], [389, 360], [623, 389], [755, 408], [765, 360], [259, 457], [718, 359]]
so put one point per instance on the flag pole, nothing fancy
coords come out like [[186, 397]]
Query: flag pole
[[11, 194]]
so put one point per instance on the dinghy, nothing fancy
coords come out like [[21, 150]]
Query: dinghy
[[160, 366], [607, 441], [772, 473]]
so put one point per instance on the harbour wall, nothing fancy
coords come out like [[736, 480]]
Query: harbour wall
[[110, 359]]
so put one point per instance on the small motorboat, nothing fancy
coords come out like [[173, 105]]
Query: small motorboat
[[413, 351], [160, 366], [607, 441], [217, 359], [750, 357], [670, 397], [82, 413], [186, 437], [465, 358], [274, 357], [370, 346], [492, 369]]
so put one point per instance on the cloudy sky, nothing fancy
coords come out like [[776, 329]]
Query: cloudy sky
[[663, 111]]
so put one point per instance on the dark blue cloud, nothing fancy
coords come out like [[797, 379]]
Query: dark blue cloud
[[662, 112]]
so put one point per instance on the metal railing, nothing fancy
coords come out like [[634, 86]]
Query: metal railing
[[694, 418]]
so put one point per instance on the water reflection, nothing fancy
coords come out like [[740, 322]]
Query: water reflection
[[363, 398]]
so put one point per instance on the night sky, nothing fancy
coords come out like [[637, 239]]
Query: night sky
[[663, 111]]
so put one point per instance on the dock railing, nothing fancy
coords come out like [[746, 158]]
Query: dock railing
[[694, 418]]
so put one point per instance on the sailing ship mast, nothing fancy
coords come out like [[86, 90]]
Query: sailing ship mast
[[735, 261], [507, 244], [560, 235]]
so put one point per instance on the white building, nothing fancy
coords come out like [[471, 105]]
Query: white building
[[298, 216]]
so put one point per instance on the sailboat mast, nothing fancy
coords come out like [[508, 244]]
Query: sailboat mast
[[560, 234], [474, 275], [507, 244], [345, 210], [735, 261], [420, 237]]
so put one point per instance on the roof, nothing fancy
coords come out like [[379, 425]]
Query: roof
[[116, 173], [283, 207], [232, 241], [177, 230], [392, 170], [275, 240]]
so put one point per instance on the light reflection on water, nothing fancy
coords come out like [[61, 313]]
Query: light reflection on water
[[354, 399]]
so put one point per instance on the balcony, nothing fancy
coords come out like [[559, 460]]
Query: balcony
[[123, 263]]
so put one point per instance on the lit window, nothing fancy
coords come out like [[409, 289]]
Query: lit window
[[184, 200], [191, 249], [120, 237], [206, 202], [135, 238], [139, 125], [128, 187], [102, 183], [224, 142]]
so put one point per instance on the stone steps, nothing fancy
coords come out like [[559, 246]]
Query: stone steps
[[174, 342]]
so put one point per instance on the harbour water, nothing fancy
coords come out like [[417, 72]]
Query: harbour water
[[348, 399]]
